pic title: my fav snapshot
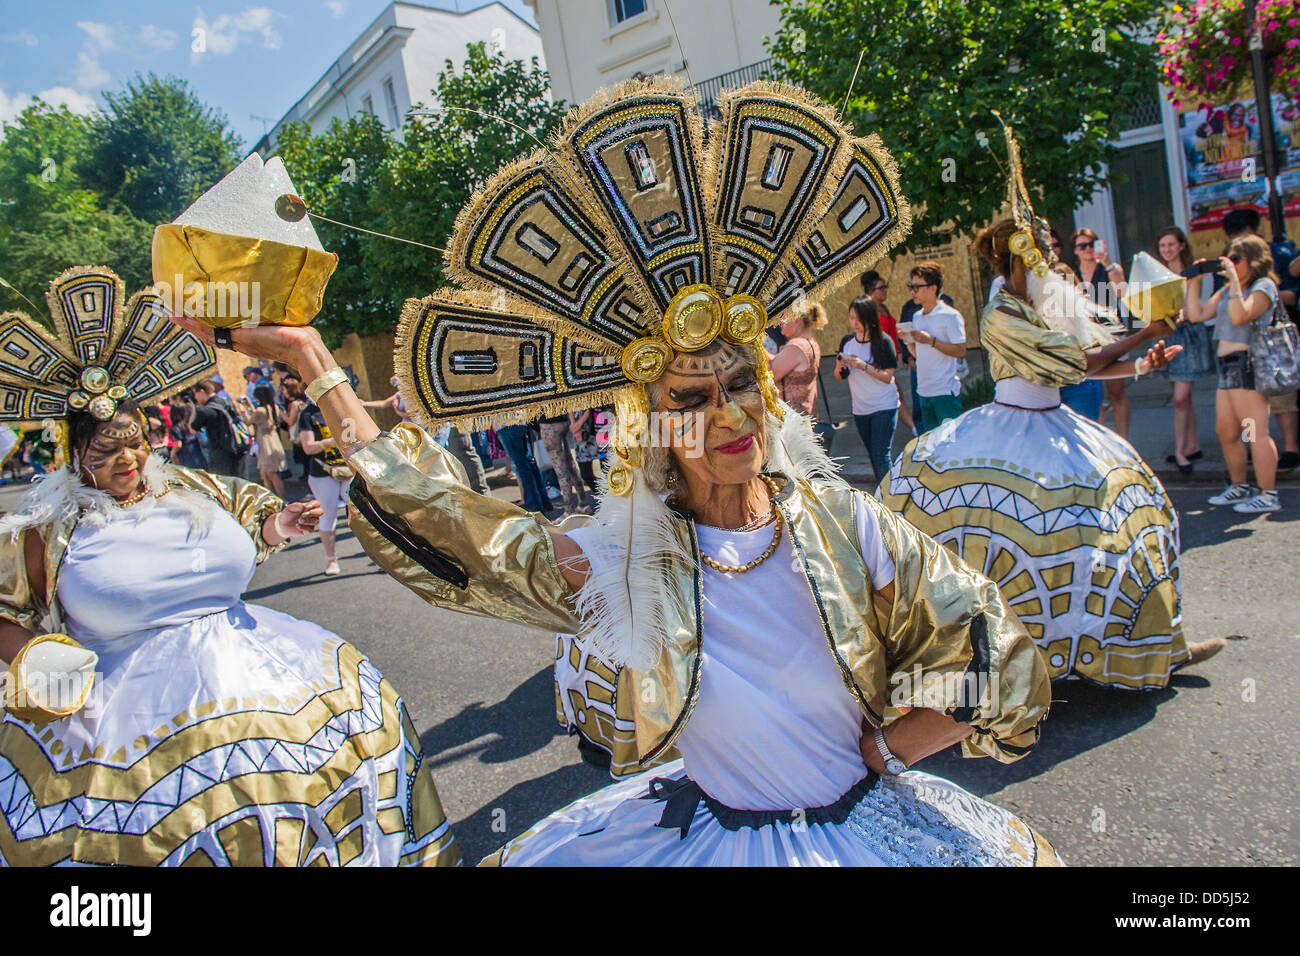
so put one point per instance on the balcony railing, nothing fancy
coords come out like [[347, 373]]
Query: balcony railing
[[708, 90]]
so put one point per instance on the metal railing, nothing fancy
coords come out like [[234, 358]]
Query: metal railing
[[708, 90]]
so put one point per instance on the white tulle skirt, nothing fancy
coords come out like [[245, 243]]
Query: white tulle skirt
[[660, 819]]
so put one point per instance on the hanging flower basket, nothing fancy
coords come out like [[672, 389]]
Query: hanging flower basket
[[1205, 48]]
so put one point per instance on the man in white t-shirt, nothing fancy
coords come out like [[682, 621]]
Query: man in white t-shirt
[[938, 340]]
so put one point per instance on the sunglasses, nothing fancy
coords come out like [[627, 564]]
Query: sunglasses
[[1083, 245]]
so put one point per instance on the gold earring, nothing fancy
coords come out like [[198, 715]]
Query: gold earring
[[671, 481]]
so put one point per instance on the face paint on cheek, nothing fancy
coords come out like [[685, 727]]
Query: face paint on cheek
[[693, 439]]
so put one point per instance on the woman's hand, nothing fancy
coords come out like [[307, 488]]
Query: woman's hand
[[1158, 356], [297, 518], [1229, 272], [298, 346]]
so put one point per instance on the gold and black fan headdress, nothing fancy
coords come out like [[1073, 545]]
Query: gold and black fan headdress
[[640, 232], [103, 348]]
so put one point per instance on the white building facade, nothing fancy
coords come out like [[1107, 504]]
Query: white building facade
[[395, 63], [597, 43]]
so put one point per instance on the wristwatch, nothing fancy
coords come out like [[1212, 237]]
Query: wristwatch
[[892, 764]]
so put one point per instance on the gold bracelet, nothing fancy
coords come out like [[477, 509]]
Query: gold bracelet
[[325, 381]]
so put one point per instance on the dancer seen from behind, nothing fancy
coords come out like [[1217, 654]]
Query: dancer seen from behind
[[1063, 514]]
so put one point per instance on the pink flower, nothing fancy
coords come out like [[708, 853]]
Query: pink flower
[[1236, 41]]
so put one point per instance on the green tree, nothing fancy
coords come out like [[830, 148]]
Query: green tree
[[49, 220], [157, 147], [357, 173], [1065, 75], [81, 190], [337, 173]]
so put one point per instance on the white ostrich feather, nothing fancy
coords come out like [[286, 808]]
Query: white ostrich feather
[[1066, 309], [631, 558]]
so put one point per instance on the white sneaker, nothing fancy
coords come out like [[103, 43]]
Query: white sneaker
[[1261, 503], [1231, 495]]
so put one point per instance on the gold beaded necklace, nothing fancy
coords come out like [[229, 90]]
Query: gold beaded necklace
[[742, 568], [134, 499], [771, 548]]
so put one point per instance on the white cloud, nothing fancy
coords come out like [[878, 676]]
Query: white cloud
[[156, 39], [99, 35], [337, 7], [89, 70], [102, 38], [224, 34], [65, 96], [11, 106], [26, 37], [99, 40]]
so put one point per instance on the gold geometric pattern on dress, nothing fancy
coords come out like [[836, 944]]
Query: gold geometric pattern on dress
[[94, 327], [1108, 609], [587, 701], [248, 787]]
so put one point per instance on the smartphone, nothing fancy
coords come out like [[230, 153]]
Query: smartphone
[[1208, 267], [1099, 247]]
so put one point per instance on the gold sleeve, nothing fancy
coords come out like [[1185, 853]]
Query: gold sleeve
[[19, 603], [250, 503], [1021, 345], [419, 521], [955, 646]]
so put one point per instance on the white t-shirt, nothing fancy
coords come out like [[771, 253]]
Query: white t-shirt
[[774, 726], [936, 373], [870, 395]]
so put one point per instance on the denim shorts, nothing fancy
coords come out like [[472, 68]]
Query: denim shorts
[[1237, 370]]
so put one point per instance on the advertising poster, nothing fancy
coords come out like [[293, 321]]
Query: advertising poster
[[1225, 164]]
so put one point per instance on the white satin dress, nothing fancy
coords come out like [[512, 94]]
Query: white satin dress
[[218, 732]]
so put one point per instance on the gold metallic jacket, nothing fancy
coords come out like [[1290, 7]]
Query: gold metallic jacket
[[946, 641], [250, 503], [1023, 345]]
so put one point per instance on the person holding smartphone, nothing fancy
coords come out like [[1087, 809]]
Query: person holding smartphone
[[1103, 281], [1249, 296], [867, 360], [937, 337]]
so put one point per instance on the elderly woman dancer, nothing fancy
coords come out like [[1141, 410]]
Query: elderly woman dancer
[[796, 643]]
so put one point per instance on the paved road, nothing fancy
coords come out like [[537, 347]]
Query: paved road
[[1205, 772]]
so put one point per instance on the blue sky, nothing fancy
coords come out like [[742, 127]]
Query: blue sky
[[259, 59]]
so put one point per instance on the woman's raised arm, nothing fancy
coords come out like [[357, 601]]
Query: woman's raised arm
[[415, 514]]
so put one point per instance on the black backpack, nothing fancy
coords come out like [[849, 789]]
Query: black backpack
[[241, 438]]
